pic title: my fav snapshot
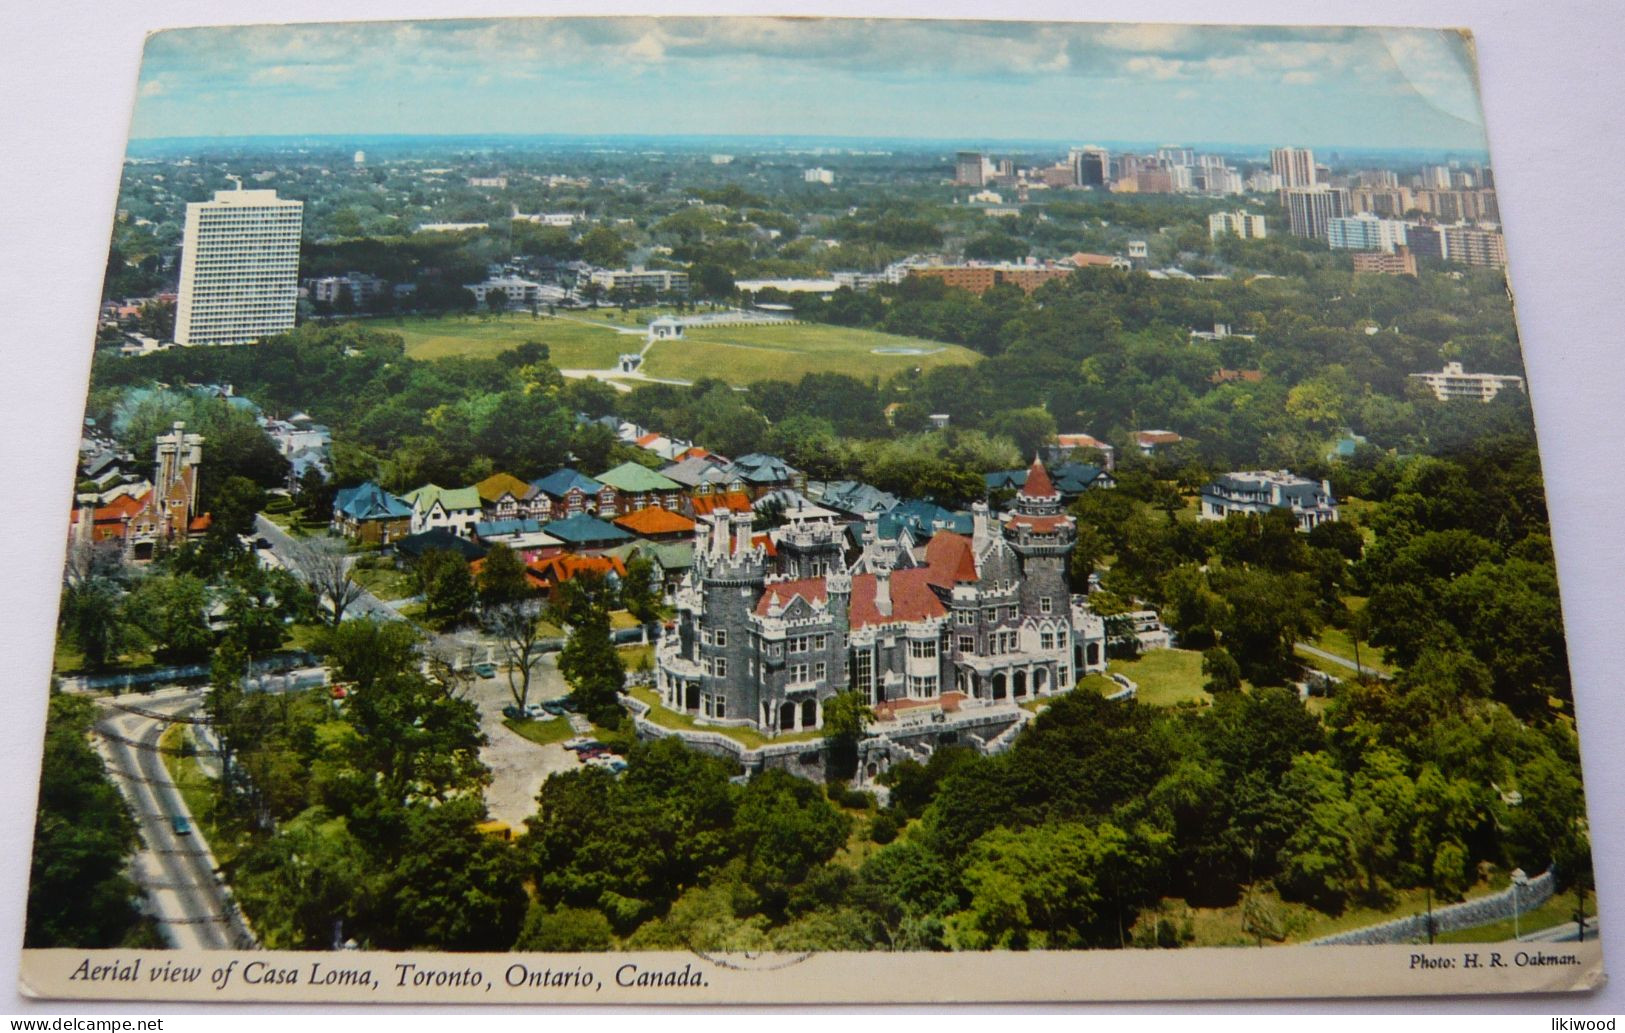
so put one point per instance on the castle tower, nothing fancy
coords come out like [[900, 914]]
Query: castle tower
[[1042, 537], [730, 571]]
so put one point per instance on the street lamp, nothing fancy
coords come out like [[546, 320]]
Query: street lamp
[[1519, 880]]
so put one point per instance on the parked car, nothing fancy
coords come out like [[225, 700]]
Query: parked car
[[583, 743], [554, 706], [486, 670], [512, 712], [181, 826], [535, 710]]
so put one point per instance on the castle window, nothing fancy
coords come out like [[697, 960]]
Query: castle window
[[923, 650], [967, 643], [798, 673], [821, 642], [967, 617], [1045, 605], [722, 667], [820, 671], [863, 678], [720, 637]]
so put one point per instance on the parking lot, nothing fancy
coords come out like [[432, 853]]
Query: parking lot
[[518, 766]]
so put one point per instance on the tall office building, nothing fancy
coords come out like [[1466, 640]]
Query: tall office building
[[969, 169], [239, 268], [1310, 210], [1295, 166], [1091, 166]]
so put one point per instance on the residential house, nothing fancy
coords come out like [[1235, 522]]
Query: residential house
[[504, 497], [657, 525], [638, 487], [371, 515], [455, 509], [583, 533], [763, 473], [1259, 491], [852, 499], [567, 493], [548, 574]]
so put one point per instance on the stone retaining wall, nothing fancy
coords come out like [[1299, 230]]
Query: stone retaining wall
[[1478, 911]]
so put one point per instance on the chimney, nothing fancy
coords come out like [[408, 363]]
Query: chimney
[[979, 535], [871, 528], [742, 526], [883, 592]]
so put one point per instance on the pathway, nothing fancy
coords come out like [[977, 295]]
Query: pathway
[[1363, 669]]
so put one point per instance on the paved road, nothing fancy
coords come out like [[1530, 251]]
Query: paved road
[[177, 871], [1343, 661], [1567, 932], [365, 605]]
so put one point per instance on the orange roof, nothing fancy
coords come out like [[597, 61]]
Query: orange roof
[[735, 501], [950, 559], [556, 569], [1084, 258], [647, 440], [654, 520], [1038, 485]]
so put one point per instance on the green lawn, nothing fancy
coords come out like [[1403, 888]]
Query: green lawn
[[1337, 641], [747, 737], [384, 582], [68, 660], [571, 344], [541, 733], [1165, 676], [744, 354]]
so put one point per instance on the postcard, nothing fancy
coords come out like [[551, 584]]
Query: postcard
[[744, 510]]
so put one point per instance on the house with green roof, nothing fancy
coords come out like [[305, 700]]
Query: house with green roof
[[454, 509], [586, 532], [638, 487]]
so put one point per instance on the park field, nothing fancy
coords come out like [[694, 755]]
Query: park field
[[738, 354], [745, 354], [572, 343]]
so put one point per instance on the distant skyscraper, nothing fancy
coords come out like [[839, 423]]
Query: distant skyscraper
[[360, 158], [968, 169], [1310, 210], [1295, 166], [1091, 166], [239, 268]]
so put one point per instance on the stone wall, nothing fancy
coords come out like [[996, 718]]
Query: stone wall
[[1478, 911]]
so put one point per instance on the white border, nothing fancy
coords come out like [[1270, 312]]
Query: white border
[[1551, 79]]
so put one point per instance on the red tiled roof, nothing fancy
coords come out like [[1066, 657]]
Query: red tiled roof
[[813, 589], [647, 440], [950, 559], [1157, 437], [654, 520], [1038, 485], [200, 524], [911, 599]]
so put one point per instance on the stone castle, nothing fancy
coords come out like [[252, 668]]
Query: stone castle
[[769, 627]]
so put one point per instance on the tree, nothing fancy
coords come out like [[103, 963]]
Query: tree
[[93, 618], [169, 610], [315, 495], [78, 892], [502, 578], [496, 302], [323, 564], [1222, 672], [640, 590], [589, 660], [603, 247], [517, 627], [846, 715], [446, 586]]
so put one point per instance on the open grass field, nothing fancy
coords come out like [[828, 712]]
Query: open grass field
[[744, 354], [571, 344], [540, 732], [1166, 676], [738, 354]]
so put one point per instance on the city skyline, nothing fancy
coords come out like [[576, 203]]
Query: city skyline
[[1326, 87]]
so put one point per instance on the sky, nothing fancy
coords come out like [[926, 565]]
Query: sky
[[948, 80]]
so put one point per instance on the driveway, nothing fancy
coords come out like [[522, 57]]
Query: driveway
[[518, 766]]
